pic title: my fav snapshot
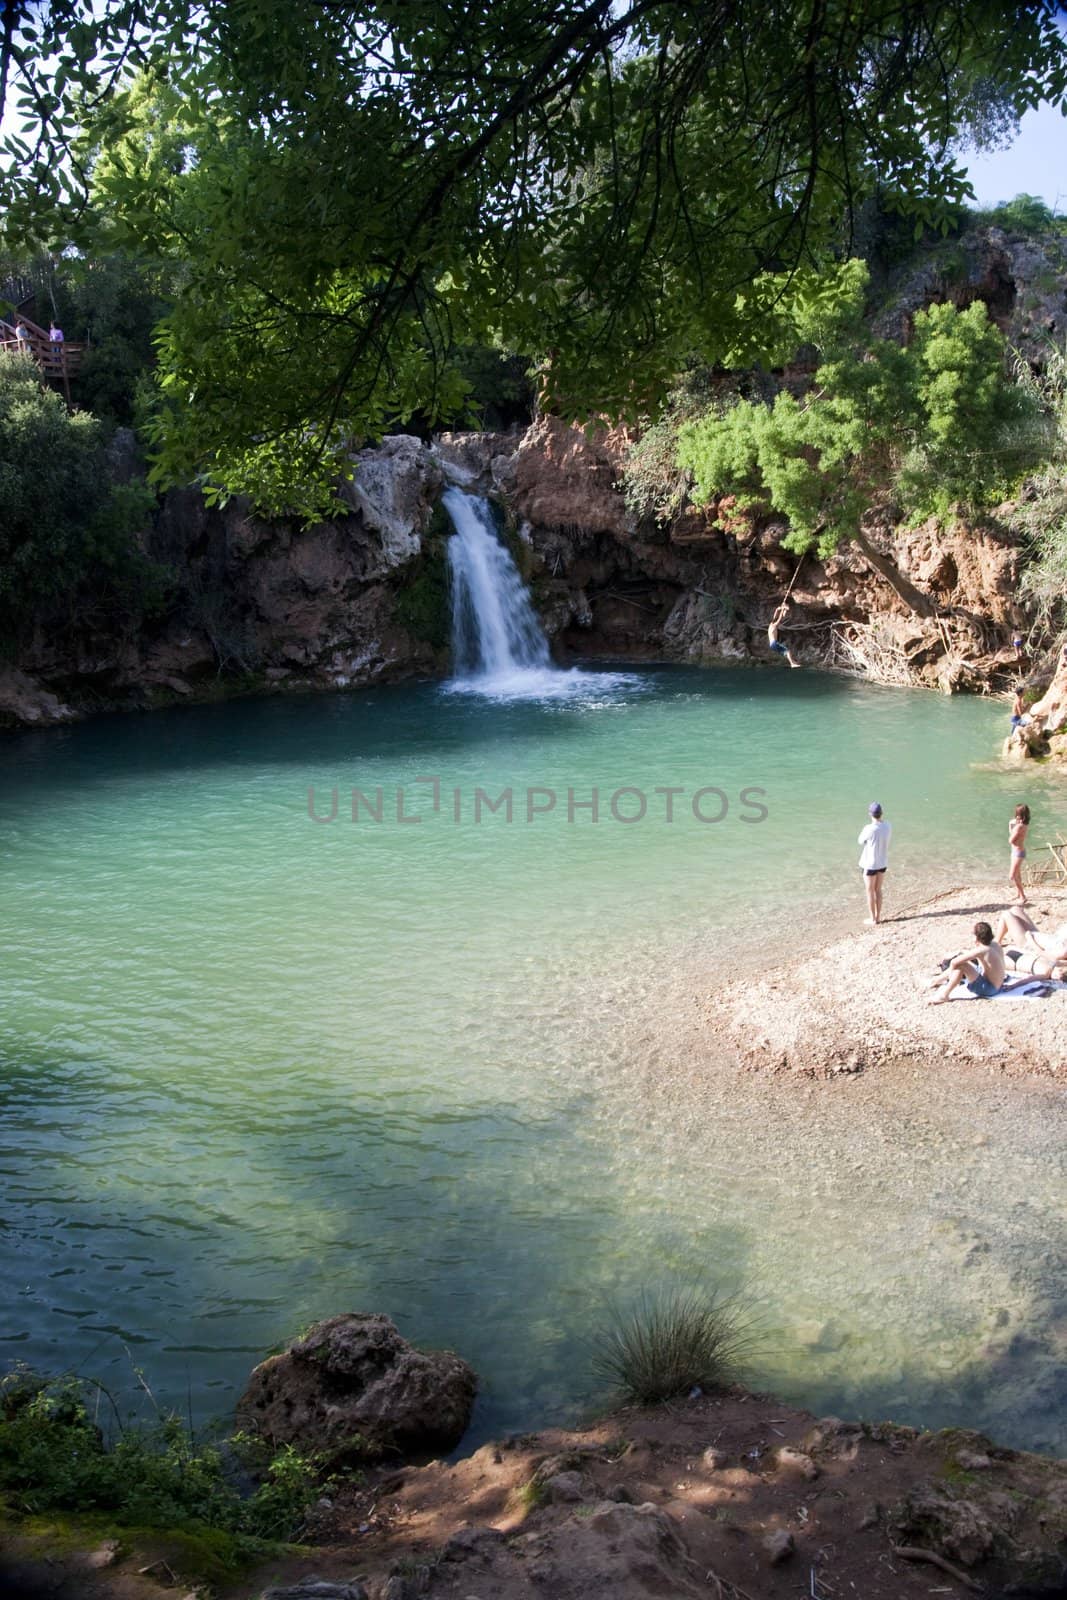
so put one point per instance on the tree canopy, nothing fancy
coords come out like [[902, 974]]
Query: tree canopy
[[353, 191]]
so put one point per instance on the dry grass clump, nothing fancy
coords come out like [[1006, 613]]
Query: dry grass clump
[[671, 1343]]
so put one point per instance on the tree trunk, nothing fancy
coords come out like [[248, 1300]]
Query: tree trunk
[[913, 598]]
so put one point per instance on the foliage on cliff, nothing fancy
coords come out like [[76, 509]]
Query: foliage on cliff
[[67, 533], [914, 428], [1040, 517], [357, 189]]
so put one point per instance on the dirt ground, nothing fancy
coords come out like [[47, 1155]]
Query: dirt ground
[[861, 1000], [735, 1498]]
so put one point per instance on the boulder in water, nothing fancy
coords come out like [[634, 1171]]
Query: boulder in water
[[353, 1386]]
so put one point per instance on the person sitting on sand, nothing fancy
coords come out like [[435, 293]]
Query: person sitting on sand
[[1017, 829], [982, 969], [1026, 949], [772, 634], [874, 859]]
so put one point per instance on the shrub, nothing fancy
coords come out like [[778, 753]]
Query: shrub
[[919, 429], [54, 1456], [670, 1343], [67, 534]]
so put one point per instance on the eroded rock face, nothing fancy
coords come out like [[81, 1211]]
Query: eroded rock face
[[561, 478], [26, 703], [394, 487], [353, 1385], [1051, 710]]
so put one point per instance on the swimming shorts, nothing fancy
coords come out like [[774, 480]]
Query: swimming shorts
[[1016, 722], [873, 872], [981, 987], [778, 648]]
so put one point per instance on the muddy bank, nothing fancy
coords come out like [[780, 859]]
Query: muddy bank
[[861, 1000], [738, 1497]]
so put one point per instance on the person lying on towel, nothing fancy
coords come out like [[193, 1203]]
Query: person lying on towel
[[1029, 950]]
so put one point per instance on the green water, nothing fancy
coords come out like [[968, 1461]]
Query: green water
[[256, 1069]]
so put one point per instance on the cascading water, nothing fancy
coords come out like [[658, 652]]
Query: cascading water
[[499, 647], [494, 630], [498, 644]]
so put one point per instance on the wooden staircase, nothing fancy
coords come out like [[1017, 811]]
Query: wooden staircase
[[56, 361]]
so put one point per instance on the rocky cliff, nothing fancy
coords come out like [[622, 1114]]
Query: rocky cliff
[[257, 605]]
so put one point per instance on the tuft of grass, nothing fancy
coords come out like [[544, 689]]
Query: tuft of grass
[[668, 1344], [530, 1495]]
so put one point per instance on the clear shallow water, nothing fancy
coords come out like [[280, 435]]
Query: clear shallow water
[[256, 1069]]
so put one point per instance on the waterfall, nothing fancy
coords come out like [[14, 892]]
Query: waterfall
[[499, 647], [497, 642]]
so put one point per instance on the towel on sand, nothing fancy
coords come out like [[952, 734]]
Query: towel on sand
[[1014, 987]]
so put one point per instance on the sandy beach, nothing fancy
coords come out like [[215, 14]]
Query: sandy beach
[[860, 1000]]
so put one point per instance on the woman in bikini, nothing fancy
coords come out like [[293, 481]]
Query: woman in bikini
[[1017, 827], [1028, 950]]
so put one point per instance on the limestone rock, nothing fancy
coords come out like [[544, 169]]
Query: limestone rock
[[393, 490], [475, 461], [715, 1459], [472, 1542], [27, 703], [353, 1382], [779, 1545], [972, 1460], [1051, 710], [105, 1555], [936, 1520], [560, 477], [796, 1463], [565, 1487]]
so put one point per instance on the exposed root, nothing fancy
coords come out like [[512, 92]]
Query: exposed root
[[912, 1552]]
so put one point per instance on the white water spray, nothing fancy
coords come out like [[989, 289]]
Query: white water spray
[[495, 633], [499, 647]]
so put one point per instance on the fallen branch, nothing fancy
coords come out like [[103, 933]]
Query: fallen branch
[[912, 1552]]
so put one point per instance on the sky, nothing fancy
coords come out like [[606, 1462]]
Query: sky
[[1035, 163]]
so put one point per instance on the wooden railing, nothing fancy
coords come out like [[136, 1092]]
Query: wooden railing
[[55, 358]]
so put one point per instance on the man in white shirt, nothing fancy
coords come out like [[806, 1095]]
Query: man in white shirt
[[874, 859]]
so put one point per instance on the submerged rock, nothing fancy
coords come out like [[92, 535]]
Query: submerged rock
[[354, 1386]]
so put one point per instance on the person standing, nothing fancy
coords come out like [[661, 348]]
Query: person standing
[[22, 334], [874, 859], [55, 337], [1017, 829]]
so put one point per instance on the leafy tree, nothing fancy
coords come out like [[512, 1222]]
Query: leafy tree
[[1027, 213], [357, 189], [919, 428], [67, 535], [1040, 515], [115, 303]]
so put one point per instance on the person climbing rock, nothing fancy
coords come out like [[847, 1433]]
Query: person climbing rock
[[772, 634]]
